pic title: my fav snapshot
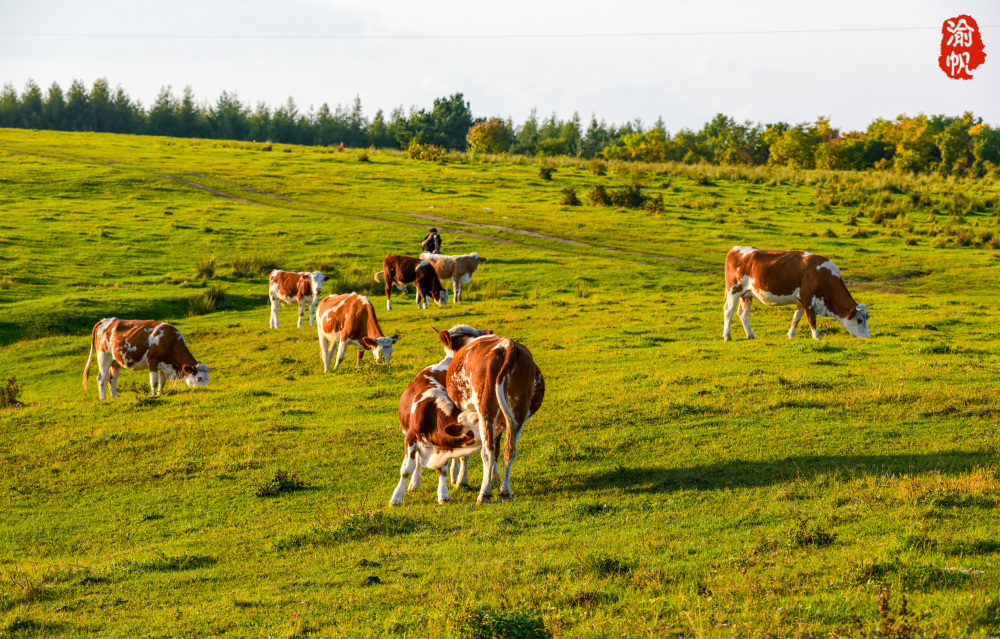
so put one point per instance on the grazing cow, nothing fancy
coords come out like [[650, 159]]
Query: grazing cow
[[350, 319], [457, 268], [497, 378], [285, 288], [434, 428], [140, 345], [778, 278], [400, 270]]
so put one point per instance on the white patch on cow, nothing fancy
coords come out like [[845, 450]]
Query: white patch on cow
[[830, 266], [819, 307], [743, 250], [806, 253], [766, 297], [383, 349]]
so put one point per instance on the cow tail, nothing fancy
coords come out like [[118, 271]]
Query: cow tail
[[377, 273], [86, 370], [508, 363]]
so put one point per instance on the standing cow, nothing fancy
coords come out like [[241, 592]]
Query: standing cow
[[140, 345], [457, 268], [497, 378], [778, 278], [284, 287], [400, 270], [435, 430], [350, 319]]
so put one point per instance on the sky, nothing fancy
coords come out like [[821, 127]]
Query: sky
[[682, 61]]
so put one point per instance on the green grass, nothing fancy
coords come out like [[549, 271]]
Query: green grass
[[672, 484]]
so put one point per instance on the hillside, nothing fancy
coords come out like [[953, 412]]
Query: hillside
[[671, 484]]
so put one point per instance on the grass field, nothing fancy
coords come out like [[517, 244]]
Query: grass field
[[671, 485]]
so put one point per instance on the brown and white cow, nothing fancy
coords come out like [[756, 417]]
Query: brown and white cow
[[457, 268], [400, 270], [350, 319], [497, 378], [140, 345], [284, 287], [778, 278], [435, 429]]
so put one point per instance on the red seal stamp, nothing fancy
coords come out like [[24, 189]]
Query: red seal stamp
[[962, 47]]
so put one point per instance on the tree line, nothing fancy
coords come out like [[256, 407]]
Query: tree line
[[952, 145]]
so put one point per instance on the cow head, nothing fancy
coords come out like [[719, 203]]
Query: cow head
[[381, 347], [857, 322], [440, 297], [470, 419], [195, 376], [317, 282], [457, 336]]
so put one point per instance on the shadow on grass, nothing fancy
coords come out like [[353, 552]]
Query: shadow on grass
[[496, 260], [77, 316], [756, 474]]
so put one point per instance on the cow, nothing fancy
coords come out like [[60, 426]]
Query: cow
[[457, 268], [400, 270], [350, 319], [284, 287], [141, 345], [435, 431], [496, 377], [778, 278]]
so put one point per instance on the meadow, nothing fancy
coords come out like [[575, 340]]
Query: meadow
[[672, 484]]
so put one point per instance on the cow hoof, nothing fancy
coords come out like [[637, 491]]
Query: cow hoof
[[484, 499], [443, 501], [727, 338], [506, 497], [393, 502]]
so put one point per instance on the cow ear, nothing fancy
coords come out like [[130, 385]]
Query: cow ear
[[445, 339], [369, 342], [482, 259], [395, 338], [187, 369], [854, 312], [488, 331]]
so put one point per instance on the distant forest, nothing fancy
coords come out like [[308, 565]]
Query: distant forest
[[949, 145]]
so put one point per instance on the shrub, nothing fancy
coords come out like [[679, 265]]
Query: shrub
[[490, 623], [212, 299], [252, 264], [994, 242], [9, 392], [205, 267], [569, 197], [598, 196], [598, 167], [806, 534], [491, 136], [965, 237], [363, 156], [655, 204], [629, 197], [829, 233], [282, 482], [545, 172], [428, 152], [910, 241]]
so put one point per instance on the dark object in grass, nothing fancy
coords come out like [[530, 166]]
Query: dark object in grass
[[371, 581], [61, 609], [491, 623], [282, 482], [9, 392], [545, 172], [86, 581], [928, 327], [569, 197]]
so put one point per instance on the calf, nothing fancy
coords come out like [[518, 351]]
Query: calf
[[350, 319], [497, 378], [777, 278], [457, 268], [400, 270], [140, 345], [285, 288], [435, 430]]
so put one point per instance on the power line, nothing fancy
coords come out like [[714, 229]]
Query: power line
[[523, 36]]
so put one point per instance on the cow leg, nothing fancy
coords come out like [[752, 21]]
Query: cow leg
[[811, 318], [154, 373], [388, 291], [460, 471], [340, 354], [488, 455], [361, 352], [744, 313], [443, 497], [325, 351], [456, 288], [302, 302], [163, 382], [312, 310], [115, 370], [275, 305], [406, 470], [104, 363], [727, 314], [510, 454], [415, 479], [799, 312]]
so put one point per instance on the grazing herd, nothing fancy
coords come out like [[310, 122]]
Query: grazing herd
[[487, 386]]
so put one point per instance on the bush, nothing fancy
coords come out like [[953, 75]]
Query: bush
[[9, 392], [598, 167], [910, 241], [212, 299], [655, 204], [569, 197], [627, 197], [205, 267], [252, 264], [363, 157], [545, 172], [428, 152], [491, 136], [489, 623], [282, 482], [598, 196], [829, 233]]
